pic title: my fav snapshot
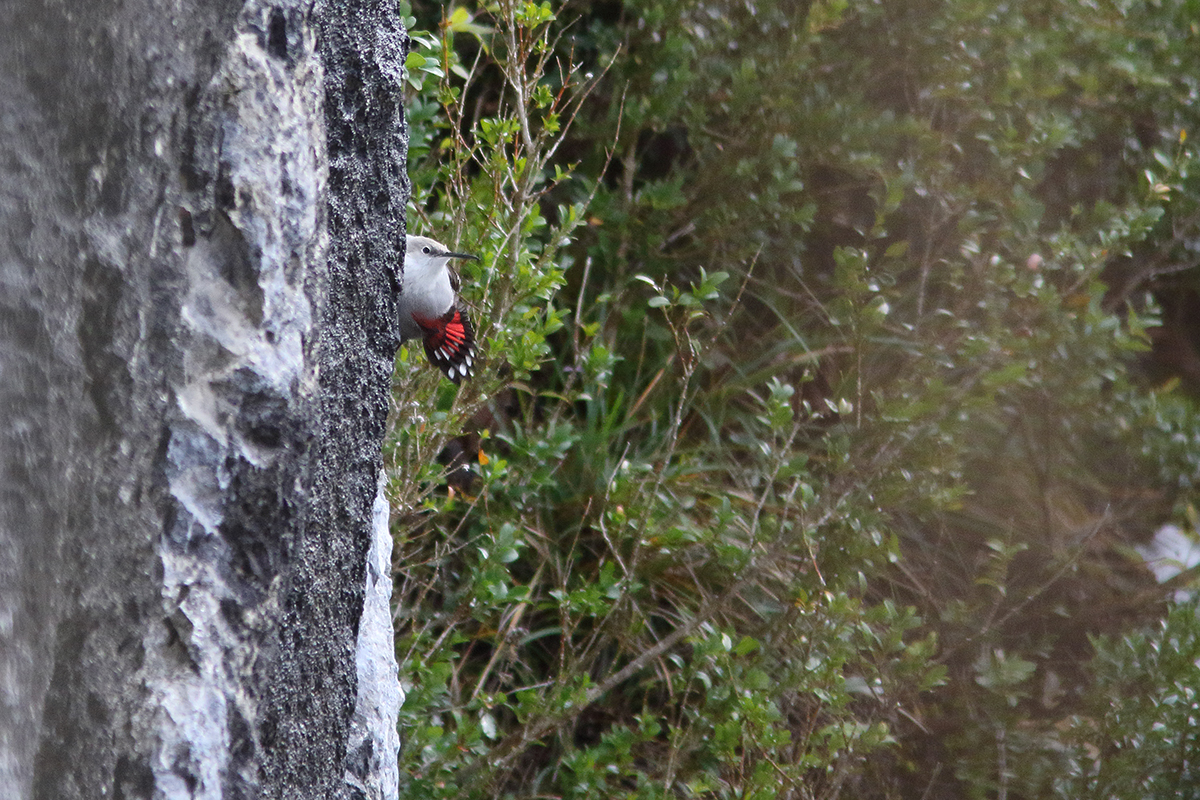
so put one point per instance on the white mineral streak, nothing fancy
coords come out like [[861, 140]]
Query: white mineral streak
[[373, 736]]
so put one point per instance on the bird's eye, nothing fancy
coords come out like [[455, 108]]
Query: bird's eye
[[426, 250]]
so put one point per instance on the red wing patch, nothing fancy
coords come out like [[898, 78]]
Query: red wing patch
[[450, 343]]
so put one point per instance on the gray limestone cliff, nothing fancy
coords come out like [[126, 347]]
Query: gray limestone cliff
[[201, 221]]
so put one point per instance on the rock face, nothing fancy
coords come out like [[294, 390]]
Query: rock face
[[201, 221]]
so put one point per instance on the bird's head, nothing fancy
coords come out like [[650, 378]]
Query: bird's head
[[423, 251]]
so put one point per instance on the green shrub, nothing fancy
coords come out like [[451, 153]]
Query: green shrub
[[811, 435]]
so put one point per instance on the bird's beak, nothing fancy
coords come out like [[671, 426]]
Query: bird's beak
[[460, 255]]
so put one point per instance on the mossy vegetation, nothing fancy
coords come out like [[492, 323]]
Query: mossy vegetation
[[835, 359]]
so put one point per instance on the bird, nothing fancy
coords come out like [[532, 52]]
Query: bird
[[428, 307]]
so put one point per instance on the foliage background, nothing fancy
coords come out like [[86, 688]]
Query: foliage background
[[837, 356]]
